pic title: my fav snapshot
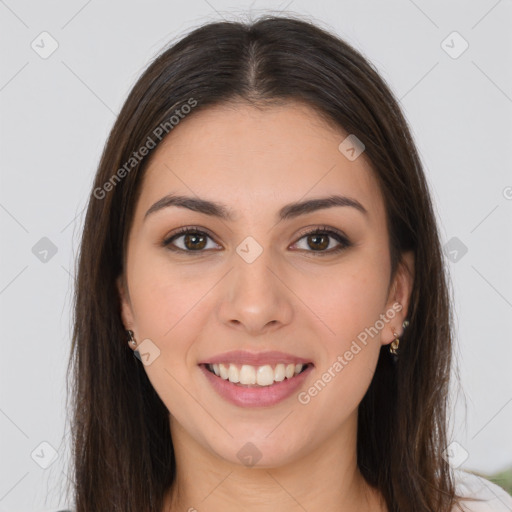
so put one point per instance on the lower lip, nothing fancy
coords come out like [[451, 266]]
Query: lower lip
[[263, 396]]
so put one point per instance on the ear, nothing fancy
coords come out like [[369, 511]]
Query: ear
[[126, 307], [399, 298]]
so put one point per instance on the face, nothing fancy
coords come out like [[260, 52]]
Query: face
[[254, 293]]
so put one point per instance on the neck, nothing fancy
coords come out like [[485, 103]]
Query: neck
[[326, 478]]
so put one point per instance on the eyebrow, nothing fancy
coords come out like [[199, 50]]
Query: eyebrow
[[289, 211]]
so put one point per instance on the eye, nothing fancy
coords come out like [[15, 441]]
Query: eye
[[194, 240], [319, 239]]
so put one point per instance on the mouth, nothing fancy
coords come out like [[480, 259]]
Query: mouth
[[250, 376], [256, 379], [257, 386]]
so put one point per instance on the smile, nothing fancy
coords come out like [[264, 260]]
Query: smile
[[248, 375], [269, 393]]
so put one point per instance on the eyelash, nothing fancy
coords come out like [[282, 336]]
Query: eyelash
[[324, 230]]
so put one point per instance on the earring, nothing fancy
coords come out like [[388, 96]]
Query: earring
[[132, 341], [394, 344]]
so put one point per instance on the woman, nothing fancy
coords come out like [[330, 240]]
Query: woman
[[262, 317]]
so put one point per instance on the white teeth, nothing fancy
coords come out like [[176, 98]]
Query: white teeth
[[279, 373], [233, 374], [247, 374], [223, 371], [264, 375]]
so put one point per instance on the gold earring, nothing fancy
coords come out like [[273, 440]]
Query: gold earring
[[394, 344], [131, 341]]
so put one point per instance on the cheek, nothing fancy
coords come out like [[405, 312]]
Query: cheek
[[359, 303], [350, 298], [168, 311], [172, 306], [350, 303], [349, 356], [171, 312], [165, 295]]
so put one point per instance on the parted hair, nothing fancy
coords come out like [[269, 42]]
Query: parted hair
[[123, 459]]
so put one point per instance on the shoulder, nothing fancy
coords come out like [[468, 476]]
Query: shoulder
[[484, 495]]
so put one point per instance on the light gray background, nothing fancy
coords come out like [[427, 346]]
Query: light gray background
[[56, 114]]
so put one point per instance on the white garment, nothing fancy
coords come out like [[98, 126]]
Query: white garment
[[495, 499]]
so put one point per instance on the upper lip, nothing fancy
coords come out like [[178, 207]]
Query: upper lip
[[255, 358]]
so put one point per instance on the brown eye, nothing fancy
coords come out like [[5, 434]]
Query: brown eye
[[318, 240], [192, 240]]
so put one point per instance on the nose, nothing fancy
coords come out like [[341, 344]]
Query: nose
[[255, 297]]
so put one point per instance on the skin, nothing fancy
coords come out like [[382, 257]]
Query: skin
[[293, 298]]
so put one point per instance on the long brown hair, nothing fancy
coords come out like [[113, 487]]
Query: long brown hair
[[123, 456]]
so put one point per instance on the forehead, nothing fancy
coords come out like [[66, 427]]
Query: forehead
[[250, 158]]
